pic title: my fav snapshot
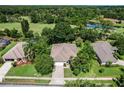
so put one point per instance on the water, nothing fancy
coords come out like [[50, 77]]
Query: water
[[92, 26]]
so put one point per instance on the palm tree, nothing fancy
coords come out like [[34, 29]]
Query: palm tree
[[29, 51]]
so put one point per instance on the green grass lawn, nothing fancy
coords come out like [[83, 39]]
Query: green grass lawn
[[1, 65], [7, 48], [99, 82], [24, 81], [25, 70], [94, 72], [36, 27]]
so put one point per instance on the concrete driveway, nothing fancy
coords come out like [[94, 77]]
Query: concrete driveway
[[4, 69], [120, 62], [58, 74]]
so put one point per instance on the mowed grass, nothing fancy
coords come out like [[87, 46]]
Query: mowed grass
[[94, 72], [25, 70], [36, 27], [24, 81], [1, 64], [7, 48], [99, 82]]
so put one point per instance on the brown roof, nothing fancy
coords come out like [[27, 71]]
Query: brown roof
[[104, 51], [62, 52]]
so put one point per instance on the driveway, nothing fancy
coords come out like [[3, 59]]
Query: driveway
[[4, 69], [58, 74], [120, 62]]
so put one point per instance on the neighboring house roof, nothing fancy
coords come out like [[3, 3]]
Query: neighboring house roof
[[4, 42], [104, 51], [62, 52], [16, 52]]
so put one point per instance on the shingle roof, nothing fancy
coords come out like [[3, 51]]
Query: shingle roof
[[104, 51], [62, 52], [16, 52]]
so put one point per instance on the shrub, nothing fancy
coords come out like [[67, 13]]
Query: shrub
[[101, 70], [76, 72], [14, 64], [44, 64], [108, 64], [1, 60], [78, 41]]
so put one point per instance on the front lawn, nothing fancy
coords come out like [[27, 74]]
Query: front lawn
[[24, 81], [94, 72], [100, 82], [25, 70]]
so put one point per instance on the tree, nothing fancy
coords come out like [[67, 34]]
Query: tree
[[89, 34], [120, 81], [78, 41], [109, 63], [79, 83], [83, 59], [44, 64], [62, 32], [12, 33], [1, 60], [3, 18], [34, 17], [29, 34], [76, 72], [36, 46], [25, 27]]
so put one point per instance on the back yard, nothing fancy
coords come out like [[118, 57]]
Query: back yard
[[38, 27]]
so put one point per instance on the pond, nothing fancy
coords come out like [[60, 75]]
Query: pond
[[92, 26], [100, 26]]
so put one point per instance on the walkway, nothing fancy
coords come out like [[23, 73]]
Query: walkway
[[58, 75], [100, 78], [4, 69], [49, 78], [22, 77]]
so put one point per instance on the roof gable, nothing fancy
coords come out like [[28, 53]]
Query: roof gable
[[63, 51]]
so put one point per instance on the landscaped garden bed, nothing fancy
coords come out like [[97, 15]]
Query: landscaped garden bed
[[114, 71], [27, 70]]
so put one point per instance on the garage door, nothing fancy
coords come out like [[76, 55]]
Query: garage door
[[59, 63]]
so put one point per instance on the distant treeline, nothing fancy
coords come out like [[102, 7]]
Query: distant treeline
[[54, 14]]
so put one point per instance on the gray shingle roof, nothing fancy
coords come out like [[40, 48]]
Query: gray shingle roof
[[62, 52], [16, 52], [104, 51]]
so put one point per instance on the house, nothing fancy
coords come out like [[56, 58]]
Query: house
[[15, 53], [62, 52], [104, 52]]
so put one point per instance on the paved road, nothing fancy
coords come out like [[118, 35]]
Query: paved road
[[4, 69], [58, 75]]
